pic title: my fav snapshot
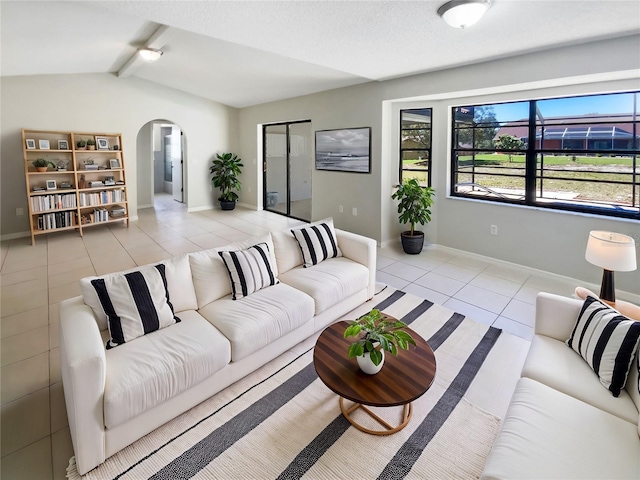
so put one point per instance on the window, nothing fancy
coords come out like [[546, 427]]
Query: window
[[415, 145], [584, 153]]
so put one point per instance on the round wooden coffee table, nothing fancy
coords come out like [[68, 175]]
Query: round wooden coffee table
[[403, 378]]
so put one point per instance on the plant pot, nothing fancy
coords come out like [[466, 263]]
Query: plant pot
[[41, 169], [91, 147], [367, 366], [225, 205], [412, 244]]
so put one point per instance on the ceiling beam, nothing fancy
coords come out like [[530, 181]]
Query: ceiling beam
[[156, 41]]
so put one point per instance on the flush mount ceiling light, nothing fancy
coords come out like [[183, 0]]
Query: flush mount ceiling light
[[463, 13], [150, 54]]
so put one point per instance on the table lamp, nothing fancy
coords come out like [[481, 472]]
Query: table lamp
[[613, 252]]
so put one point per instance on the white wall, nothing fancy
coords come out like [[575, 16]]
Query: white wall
[[537, 238], [144, 166], [106, 103]]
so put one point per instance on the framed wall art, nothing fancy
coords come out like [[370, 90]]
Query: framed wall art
[[31, 144], [43, 144], [63, 145], [114, 163], [51, 185], [102, 143], [344, 150]]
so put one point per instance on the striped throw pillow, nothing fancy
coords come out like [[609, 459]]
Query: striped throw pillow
[[607, 340], [249, 270], [135, 303], [317, 242]]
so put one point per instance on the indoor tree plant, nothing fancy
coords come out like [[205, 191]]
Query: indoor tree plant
[[224, 172], [378, 333], [413, 207]]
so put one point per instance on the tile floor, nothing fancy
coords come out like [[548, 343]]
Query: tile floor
[[35, 439]]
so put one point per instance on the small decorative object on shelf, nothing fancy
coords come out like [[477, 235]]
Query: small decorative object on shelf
[[378, 333], [77, 191], [91, 144], [42, 165]]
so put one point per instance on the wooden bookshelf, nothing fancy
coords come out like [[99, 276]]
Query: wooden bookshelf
[[57, 197]]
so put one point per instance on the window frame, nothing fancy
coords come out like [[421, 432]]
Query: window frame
[[429, 150], [533, 174]]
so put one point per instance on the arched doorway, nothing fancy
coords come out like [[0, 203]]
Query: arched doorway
[[161, 165]]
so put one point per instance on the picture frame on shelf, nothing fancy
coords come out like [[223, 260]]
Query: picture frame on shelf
[[51, 185], [114, 163], [31, 144], [344, 150], [102, 143], [44, 145], [63, 144]]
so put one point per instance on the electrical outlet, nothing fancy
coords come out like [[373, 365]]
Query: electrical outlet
[[354, 211], [19, 211], [340, 209], [494, 230]]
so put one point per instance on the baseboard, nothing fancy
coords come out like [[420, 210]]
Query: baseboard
[[11, 236]]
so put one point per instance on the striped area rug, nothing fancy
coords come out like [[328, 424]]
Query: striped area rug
[[283, 422]]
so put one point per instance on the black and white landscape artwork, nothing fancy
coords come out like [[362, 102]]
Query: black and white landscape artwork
[[346, 150]]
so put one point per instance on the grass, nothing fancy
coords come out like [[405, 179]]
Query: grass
[[487, 165]]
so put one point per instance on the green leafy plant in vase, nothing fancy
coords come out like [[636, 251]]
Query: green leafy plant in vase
[[414, 207], [224, 172], [81, 145], [42, 165], [378, 333], [91, 144]]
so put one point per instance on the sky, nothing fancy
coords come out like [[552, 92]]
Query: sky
[[602, 104]]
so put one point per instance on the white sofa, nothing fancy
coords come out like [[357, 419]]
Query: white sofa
[[116, 396], [562, 422]]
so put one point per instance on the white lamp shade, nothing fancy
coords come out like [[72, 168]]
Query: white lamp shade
[[612, 251], [463, 13]]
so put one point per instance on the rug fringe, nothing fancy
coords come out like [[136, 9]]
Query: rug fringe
[[72, 470]]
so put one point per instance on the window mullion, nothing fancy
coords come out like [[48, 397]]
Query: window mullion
[[530, 166]]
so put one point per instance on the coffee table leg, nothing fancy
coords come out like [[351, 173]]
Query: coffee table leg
[[407, 411]]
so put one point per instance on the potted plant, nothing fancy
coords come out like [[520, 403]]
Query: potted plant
[[414, 207], [225, 169], [91, 144], [42, 165], [378, 333], [81, 145]]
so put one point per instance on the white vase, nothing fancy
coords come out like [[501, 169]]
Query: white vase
[[367, 366]]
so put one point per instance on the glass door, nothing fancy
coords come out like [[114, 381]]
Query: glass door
[[287, 169]]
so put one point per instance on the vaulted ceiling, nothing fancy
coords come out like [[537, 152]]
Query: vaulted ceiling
[[243, 53]]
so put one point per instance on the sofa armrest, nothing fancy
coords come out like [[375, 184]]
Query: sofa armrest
[[362, 250], [555, 315], [83, 366]]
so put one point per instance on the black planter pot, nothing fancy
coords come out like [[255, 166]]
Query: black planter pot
[[412, 244], [224, 205]]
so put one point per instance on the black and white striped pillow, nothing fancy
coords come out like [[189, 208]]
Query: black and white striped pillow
[[317, 242], [135, 303], [249, 270], [607, 340]]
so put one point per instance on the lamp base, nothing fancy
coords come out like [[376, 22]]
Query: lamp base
[[608, 290]]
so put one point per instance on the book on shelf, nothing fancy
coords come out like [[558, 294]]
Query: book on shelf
[[96, 184]]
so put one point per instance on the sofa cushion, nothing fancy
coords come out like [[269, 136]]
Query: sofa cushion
[[161, 365], [287, 251], [317, 242], [554, 364], [607, 341], [210, 276], [260, 318], [249, 270], [135, 303], [179, 285], [547, 434], [330, 282]]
